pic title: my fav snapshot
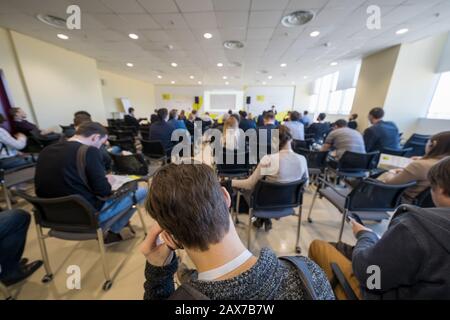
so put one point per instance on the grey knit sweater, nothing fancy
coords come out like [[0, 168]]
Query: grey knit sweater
[[268, 279]]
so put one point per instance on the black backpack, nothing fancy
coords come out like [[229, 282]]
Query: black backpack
[[188, 292]]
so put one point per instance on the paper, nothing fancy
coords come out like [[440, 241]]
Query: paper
[[388, 161], [117, 181]]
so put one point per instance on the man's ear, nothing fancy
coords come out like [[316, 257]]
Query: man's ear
[[226, 196]]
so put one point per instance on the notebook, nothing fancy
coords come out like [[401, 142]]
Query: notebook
[[388, 161], [118, 180]]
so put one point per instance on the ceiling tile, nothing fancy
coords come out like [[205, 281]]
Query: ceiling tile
[[139, 21], [259, 33], [260, 19], [195, 5], [201, 20], [269, 4], [231, 5], [170, 20], [232, 19], [120, 6], [158, 6]]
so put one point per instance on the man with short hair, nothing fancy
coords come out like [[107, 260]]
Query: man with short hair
[[245, 123], [130, 119], [226, 270], [412, 257], [295, 126], [58, 174], [318, 129], [174, 121], [382, 134], [269, 124], [306, 119], [22, 125], [343, 139], [162, 131]]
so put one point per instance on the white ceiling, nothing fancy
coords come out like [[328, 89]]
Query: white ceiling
[[182, 23]]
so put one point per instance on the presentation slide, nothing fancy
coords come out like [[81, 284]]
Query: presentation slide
[[221, 101]]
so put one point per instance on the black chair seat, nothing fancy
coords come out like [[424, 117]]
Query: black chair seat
[[372, 215], [352, 174], [273, 214], [73, 236], [335, 198], [18, 177], [314, 171]]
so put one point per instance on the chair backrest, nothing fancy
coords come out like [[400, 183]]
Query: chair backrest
[[153, 149], [125, 144], [355, 162], [69, 214], [302, 144], [232, 161], [133, 164], [315, 159], [397, 152], [145, 134], [275, 195], [374, 195], [424, 199]]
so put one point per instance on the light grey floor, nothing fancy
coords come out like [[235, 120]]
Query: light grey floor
[[127, 264]]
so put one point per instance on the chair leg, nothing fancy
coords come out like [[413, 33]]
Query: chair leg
[[249, 230], [5, 292], [312, 205], [298, 250], [141, 217], [236, 212], [341, 231], [41, 240], [108, 283], [7, 197]]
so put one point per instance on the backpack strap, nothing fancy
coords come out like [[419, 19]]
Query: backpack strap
[[305, 275], [187, 292], [81, 164]]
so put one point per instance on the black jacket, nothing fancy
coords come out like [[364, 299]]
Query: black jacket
[[413, 255]]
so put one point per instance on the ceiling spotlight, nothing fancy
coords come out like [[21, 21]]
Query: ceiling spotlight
[[293, 82], [269, 77], [305, 77], [333, 64], [314, 34], [224, 77], [297, 18], [283, 65], [207, 35], [191, 77], [62, 36], [199, 82], [402, 31], [233, 44], [264, 83], [159, 76], [172, 82], [227, 83], [220, 64], [133, 36], [173, 64], [129, 64]]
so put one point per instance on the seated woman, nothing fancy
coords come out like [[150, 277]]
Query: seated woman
[[438, 147], [284, 166], [10, 157], [230, 134]]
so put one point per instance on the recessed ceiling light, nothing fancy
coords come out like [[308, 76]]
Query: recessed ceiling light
[[207, 35], [129, 64], [220, 64], [283, 65], [264, 83], [133, 36], [191, 77], [333, 64], [402, 31], [305, 77], [233, 44], [172, 82], [293, 82], [227, 83], [173, 64], [297, 18], [62, 36], [314, 34], [224, 77], [269, 77], [159, 76], [199, 82]]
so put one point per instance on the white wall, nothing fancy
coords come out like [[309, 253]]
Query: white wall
[[140, 94], [182, 97], [281, 97], [431, 126], [59, 82]]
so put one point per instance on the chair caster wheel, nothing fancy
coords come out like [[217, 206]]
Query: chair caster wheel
[[298, 250], [107, 285], [47, 278], [310, 220]]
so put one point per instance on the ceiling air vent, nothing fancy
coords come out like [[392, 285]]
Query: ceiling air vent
[[297, 18], [233, 44], [53, 21]]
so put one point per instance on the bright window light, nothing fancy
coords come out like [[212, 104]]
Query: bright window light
[[440, 105]]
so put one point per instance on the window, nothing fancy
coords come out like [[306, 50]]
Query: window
[[440, 105], [329, 97]]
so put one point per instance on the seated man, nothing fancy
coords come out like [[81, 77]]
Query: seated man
[[204, 228], [162, 131], [343, 139], [130, 119], [295, 126], [246, 123], [382, 134], [58, 174], [13, 235], [266, 144], [21, 125], [412, 256], [174, 121], [318, 129], [352, 123]]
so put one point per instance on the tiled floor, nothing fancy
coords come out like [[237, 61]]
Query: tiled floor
[[127, 264]]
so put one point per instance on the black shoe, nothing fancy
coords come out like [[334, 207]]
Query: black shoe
[[23, 261], [267, 225], [112, 238], [258, 223], [25, 271]]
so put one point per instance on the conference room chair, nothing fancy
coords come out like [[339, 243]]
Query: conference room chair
[[68, 131], [72, 218], [302, 144], [354, 165], [370, 199], [13, 177], [34, 145], [145, 134], [317, 162], [133, 164], [120, 134], [418, 143], [273, 200], [125, 144], [154, 150], [397, 152], [6, 293], [424, 199], [232, 164]]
